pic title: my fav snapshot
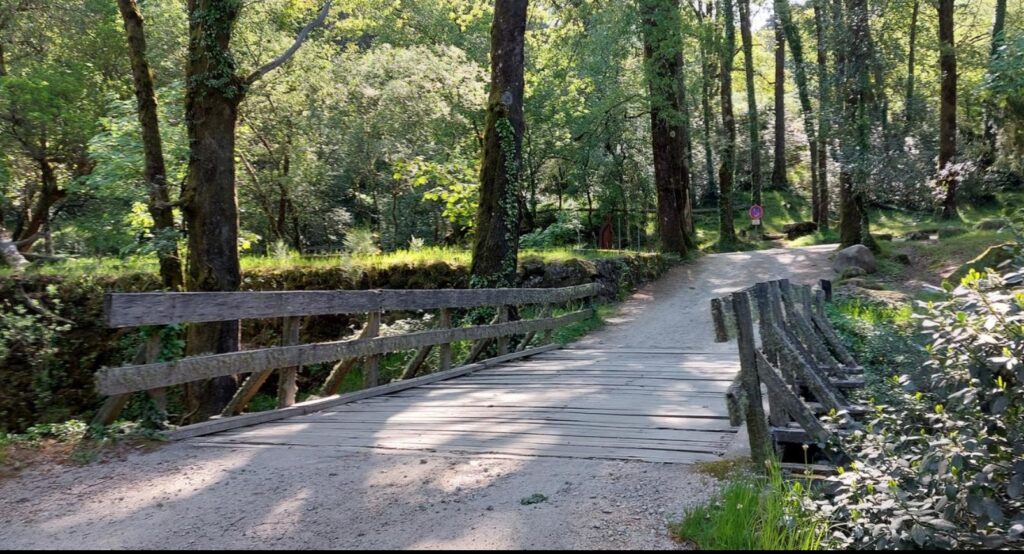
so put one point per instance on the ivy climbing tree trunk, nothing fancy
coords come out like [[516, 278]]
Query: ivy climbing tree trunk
[[727, 168], [661, 29], [496, 247], [779, 181], [821, 216], [990, 115], [209, 201], [753, 119], [796, 50], [947, 110], [707, 70], [155, 173]]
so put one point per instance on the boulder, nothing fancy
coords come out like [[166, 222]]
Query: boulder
[[852, 273], [991, 258], [992, 224], [919, 235], [856, 256], [799, 229]]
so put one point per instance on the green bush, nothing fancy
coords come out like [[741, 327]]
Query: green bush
[[941, 464], [563, 232]]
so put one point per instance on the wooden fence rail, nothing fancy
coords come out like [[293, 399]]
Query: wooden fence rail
[[801, 365], [153, 309]]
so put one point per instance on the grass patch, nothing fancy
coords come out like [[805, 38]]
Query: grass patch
[[755, 513], [458, 257]]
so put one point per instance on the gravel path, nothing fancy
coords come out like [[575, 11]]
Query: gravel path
[[188, 496]]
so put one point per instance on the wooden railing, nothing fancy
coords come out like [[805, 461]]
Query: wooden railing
[[154, 309], [804, 366]]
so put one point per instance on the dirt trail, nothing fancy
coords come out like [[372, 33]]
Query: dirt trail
[[188, 496]]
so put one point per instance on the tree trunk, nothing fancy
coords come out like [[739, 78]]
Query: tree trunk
[[947, 111], [908, 102], [856, 159], [779, 181], [991, 123], [155, 173], [209, 202], [822, 209], [796, 50], [727, 169], [39, 216], [661, 29], [496, 248], [753, 119], [707, 70]]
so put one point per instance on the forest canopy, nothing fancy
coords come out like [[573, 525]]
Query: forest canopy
[[371, 134]]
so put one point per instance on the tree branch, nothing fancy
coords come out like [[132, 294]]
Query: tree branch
[[287, 54]]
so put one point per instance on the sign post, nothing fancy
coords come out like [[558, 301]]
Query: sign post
[[756, 215]]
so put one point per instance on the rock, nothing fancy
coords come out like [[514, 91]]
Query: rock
[[919, 235], [902, 258], [991, 258], [992, 224], [857, 256], [799, 229]]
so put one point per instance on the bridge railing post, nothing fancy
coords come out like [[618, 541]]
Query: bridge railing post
[[757, 425]]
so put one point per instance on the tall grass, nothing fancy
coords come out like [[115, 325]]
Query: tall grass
[[756, 513]]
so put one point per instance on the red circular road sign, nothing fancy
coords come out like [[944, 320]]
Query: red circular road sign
[[756, 212]]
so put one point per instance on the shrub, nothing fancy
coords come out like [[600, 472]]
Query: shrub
[[942, 464], [563, 232]]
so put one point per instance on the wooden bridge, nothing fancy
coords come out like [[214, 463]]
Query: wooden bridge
[[531, 398]]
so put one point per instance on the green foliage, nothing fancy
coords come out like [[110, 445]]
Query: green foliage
[[565, 231], [756, 513], [361, 242], [939, 465]]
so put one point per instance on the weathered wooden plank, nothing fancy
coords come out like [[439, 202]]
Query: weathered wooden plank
[[718, 319], [667, 438], [287, 385], [753, 409], [371, 366], [443, 438], [161, 308], [553, 451], [310, 406], [112, 407], [546, 416], [414, 365], [333, 382], [710, 406], [127, 379], [503, 317], [793, 404], [445, 353]]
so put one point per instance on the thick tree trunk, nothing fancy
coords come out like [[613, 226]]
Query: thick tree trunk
[[991, 123], [155, 172], [496, 247], [796, 50], [661, 29], [821, 216], [908, 100], [779, 181], [856, 159], [727, 169], [209, 201], [947, 111], [753, 119]]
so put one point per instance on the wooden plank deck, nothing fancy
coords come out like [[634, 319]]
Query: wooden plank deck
[[655, 405]]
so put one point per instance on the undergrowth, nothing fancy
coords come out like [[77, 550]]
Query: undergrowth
[[754, 512]]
